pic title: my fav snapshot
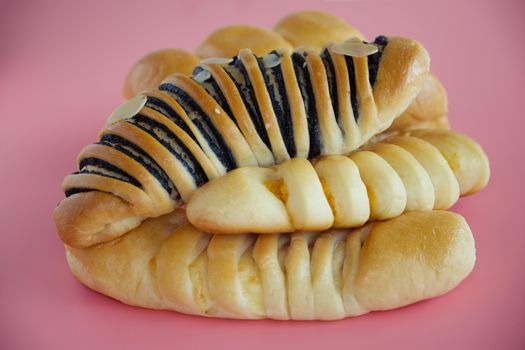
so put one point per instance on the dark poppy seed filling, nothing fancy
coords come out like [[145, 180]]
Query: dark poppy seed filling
[[374, 59], [92, 165], [163, 108], [273, 78], [203, 123], [135, 152], [213, 89], [240, 78], [303, 79], [332, 83], [173, 144], [76, 190], [353, 93]]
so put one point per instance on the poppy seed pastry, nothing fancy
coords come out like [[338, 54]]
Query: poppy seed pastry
[[428, 170], [168, 264], [159, 147]]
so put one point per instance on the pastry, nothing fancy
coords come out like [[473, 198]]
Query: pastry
[[227, 41], [428, 170], [161, 146], [313, 29], [306, 198], [151, 69], [428, 111], [166, 263]]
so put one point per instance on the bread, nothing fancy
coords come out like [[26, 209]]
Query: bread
[[313, 29], [428, 111], [227, 41], [167, 264], [151, 69], [428, 170], [161, 146]]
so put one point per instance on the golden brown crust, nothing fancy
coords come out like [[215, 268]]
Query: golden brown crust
[[446, 186], [158, 199], [428, 111], [240, 113], [227, 41], [200, 153], [464, 156], [369, 121], [416, 180], [387, 273], [401, 75], [84, 219], [232, 136], [347, 121], [331, 136], [313, 29], [151, 69], [166, 264], [265, 105], [296, 103]]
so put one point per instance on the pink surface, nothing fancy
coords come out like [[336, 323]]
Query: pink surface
[[61, 70]]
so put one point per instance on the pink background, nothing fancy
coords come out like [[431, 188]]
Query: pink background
[[62, 65]]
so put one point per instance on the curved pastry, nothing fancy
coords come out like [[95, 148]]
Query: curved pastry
[[161, 146], [428, 170], [166, 264]]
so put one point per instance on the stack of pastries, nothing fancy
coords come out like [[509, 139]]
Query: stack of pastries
[[307, 183]]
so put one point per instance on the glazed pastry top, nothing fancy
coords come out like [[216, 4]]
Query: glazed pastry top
[[161, 146]]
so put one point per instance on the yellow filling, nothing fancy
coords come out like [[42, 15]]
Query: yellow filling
[[278, 188], [328, 195], [250, 283], [198, 276], [453, 159]]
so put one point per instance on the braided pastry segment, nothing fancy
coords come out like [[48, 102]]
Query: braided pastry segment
[[427, 170], [167, 264], [248, 112]]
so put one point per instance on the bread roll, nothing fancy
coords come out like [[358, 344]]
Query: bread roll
[[227, 41], [167, 264], [428, 111], [428, 170], [313, 29], [154, 67]]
